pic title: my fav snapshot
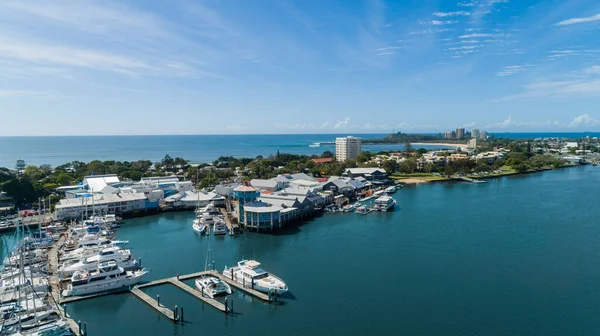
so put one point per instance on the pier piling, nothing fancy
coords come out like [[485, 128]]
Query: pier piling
[[225, 305], [158, 300], [231, 307], [79, 326], [182, 320], [85, 328], [176, 313]]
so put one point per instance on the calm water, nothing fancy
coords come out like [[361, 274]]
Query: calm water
[[515, 256], [200, 148]]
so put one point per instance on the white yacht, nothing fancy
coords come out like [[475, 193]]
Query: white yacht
[[249, 272], [107, 276], [199, 226], [391, 190], [379, 193], [122, 258], [384, 203], [220, 229], [212, 286]]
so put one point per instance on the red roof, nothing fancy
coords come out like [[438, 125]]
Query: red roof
[[321, 179], [322, 160]]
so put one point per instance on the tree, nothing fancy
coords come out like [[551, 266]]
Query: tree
[[408, 147], [20, 165], [95, 167], [363, 157], [390, 166], [167, 161], [33, 173], [327, 154], [46, 169], [63, 179]]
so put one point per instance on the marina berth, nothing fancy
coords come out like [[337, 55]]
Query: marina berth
[[249, 273]]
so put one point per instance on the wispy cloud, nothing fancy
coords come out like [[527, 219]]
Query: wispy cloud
[[21, 93], [447, 14], [579, 20], [343, 123], [440, 23], [468, 36], [466, 4], [510, 70], [584, 120]]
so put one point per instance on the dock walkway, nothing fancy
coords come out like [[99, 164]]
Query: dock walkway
[[53, 280], [240, 286], [153, 303], [231, 227], [198, 294]]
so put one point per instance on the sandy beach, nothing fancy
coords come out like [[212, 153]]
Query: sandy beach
[[414, 144], [412, 181]]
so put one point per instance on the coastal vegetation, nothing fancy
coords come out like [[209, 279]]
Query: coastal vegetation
[[27, 183]]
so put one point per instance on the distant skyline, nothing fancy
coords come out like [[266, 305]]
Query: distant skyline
[[274, 67]]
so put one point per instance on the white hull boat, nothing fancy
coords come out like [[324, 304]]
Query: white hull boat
[[212, 286], [108, 276], [249, 273]]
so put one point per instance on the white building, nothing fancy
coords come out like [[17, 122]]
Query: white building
[[118, 204], [475, 133], [347, 148], [190, 199]]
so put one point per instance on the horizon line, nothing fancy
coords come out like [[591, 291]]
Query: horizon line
[[253, 134]]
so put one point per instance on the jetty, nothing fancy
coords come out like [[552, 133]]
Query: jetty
[[54, 284], [231, 227], [472, 180], [168, 313]]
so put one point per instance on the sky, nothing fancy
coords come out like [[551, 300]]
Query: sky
[[298, 66]]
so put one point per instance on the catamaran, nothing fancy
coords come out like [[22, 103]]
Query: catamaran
[[250, 273]]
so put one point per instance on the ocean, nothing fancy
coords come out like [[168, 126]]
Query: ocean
[[515, 256], [57, 150]]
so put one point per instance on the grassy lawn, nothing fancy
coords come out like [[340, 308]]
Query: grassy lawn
[[414, 175]]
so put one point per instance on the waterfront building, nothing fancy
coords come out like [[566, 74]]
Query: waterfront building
[[449, 135], [374, 175], [270, 184], [339, 186], [122, 204], [190, 199], [460, 133], [475, 133], [226, 189], [260, 215], [347, 148], [169, 184]]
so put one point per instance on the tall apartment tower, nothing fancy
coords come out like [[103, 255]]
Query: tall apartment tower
[[460, 133], [475, 133], [347, 148]]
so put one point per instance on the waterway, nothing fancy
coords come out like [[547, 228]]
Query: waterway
[[515, 256]]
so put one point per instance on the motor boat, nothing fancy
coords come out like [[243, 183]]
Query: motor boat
[[384, 203], [391, 190], [249, 272], [379, 193], [107, 276], [95, 240], [220, 229], [121, 257], [212, 286]]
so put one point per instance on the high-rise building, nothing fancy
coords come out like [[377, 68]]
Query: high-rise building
[[475, 133], [460, 133], [449, 135], [483, 135], [347, 148]]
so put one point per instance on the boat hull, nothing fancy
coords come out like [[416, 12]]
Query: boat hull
[[106, 285]]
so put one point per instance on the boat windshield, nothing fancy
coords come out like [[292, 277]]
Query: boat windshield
[[261, 276]]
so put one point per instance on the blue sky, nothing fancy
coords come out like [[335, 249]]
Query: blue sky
[[303, 66]]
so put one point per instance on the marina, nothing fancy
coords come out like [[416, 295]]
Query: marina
[[169, 247]]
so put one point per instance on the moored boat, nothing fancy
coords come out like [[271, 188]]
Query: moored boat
[[107, 276], [384, 203], [249, 272], [212, 286]]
